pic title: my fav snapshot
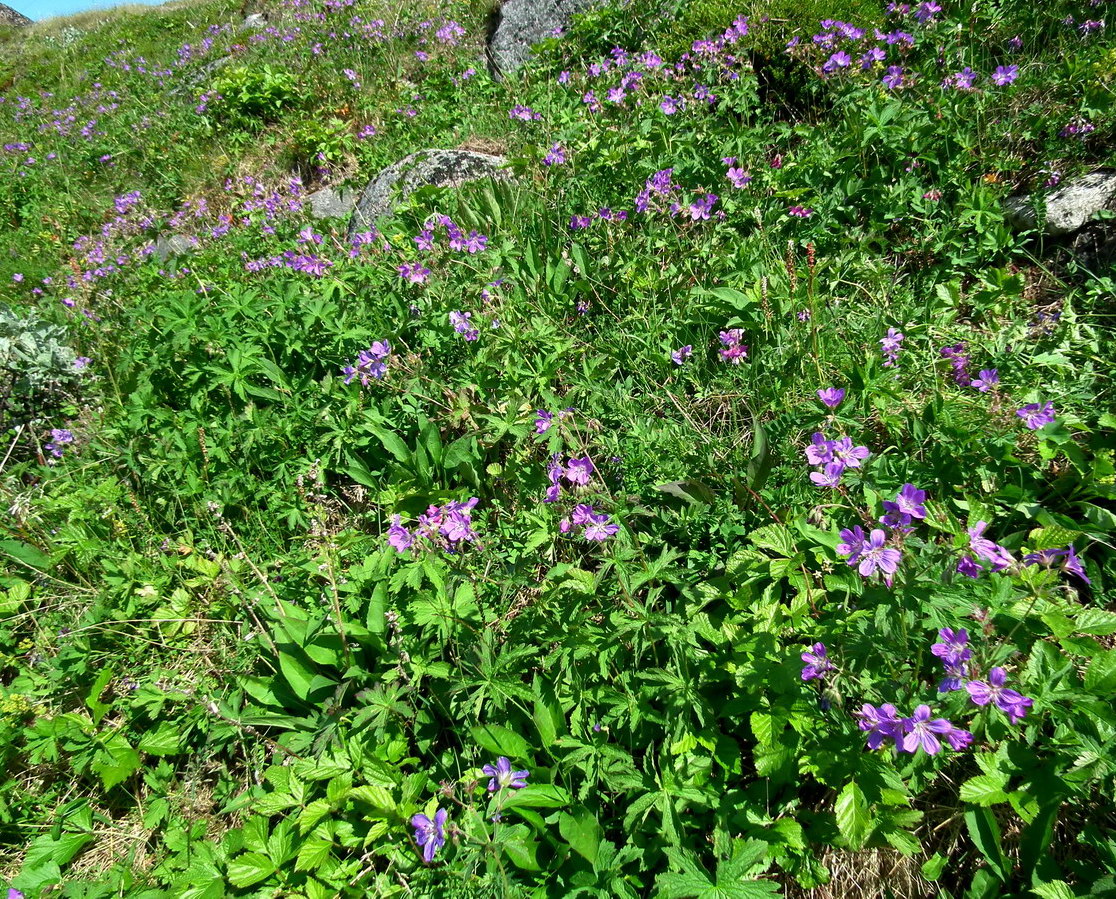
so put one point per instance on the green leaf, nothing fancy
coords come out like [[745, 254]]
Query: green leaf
[[312, 853], [93, 699], [853, 816], [376, 796], [985, 789], [166, 739], [501, 741], [115, 761], [1100, 676], [538, 796], [1055, 889], [250, 868], [312, 814], [523, 852], [933, 867], [985, 834], [583, 833], [1098, 622]]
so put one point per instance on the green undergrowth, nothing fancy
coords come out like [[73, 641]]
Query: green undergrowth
[[732, 481]]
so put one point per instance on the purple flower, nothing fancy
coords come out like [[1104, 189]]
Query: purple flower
[[1036, 415], [398, 536], [59, 438], [909, 501], [543, 421], [737, 177], [983, 548], [839, 60], [890, 346], [959, 360], [555, 156], [1072, 565], [921, 732], [1005, 75], [1047, 557], [956, 674], [681, 354], [802, 212], [820, 450], [502, 775], [524, 114], [876, 556], [969, 567], [732, 349], [953, 646], [81, 363], [599, 527], [871, 57], [986, 380], [852, 456], [830, 476], [852, 543], [700, 208], [831, 396], [414, 272], [578, 471], [1010, 702], [817, 662], [424, 240], [430, 835], [881, 723], [894, 78]]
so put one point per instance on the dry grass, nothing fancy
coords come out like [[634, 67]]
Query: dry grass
[[868, 874]]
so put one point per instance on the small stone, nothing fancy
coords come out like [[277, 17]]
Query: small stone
[[330, 203], [256, 20], [167, 245]]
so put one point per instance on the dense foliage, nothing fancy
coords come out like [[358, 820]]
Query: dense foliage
[[722, 506]]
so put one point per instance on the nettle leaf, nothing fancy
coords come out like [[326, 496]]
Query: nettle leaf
[[166, 739], [250, 868], [501, 741], [1100, 676], [1097, 622], [854, 819], [985, 789]]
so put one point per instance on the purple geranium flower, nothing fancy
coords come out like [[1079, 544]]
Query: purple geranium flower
[[890, 346], [600, 527], [831, 396], [969, 567], [908, 501], [543, 421], [881, 723], [830, 476], [502, 775], [983, 548], [1036, 415], [1010, 702], [986, 380], [953, 646], [852, 543], [920, 731], [817, 662], [820, 450], [681, 354], [876, 556], [1004, 75], [852, 456], [430, 835], [578, 471]]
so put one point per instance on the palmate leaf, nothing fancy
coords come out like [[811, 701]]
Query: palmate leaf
[[693, 882]]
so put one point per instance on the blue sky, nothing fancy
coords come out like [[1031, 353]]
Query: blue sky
[[43, 9]]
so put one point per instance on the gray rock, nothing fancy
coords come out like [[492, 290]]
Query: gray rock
[[1069, 207], [329, 203], [168, 245], [256, 20], [438, 168], [523, 23], [191, 82], [11, 18]]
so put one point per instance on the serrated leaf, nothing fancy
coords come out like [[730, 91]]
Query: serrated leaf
[[538, 796], [985, 789], [1097, 622], [312, 853], [375, 795], [1055, 889], [250, 868], [312, 814], [1100, 676], [166, 739], [853, 816]]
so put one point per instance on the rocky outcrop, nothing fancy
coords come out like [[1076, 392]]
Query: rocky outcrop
[[437, 168], [1067, 209], [12, 19], [331, 203], [520, 24]]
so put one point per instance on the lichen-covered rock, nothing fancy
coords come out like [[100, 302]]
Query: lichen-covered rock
[[330, 203], [168, 245], [438, 168], [522, 23], [11, 18], [1069, 207]]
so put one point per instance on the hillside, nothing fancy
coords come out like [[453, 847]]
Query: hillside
[[559, 450]]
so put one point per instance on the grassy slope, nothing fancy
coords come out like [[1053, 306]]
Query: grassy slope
[[222, 468]]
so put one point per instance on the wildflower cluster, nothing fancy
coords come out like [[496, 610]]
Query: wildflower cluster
[[833, 457], [733, 349], [370, 364], [445, 527], [595, 526]]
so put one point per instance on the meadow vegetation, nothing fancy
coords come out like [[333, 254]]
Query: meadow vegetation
[[722, 506]]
